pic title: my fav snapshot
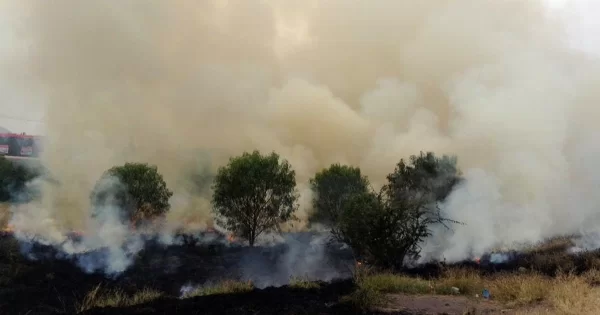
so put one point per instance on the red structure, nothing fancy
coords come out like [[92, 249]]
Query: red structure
[[21, 145]]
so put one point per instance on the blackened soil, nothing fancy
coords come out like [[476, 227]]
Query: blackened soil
[[52, 284], [280, 300], [49, 283]]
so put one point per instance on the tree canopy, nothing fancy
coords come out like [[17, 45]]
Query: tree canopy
[[13, 181], [138, 189], [332, 188], [387, 227], [254, 193], [425, 176]]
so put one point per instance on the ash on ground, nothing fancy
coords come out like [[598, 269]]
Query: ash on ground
[[195, 261]]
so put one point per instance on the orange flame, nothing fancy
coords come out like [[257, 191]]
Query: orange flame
[[8, 229], [231, 238], [477, 260], [133, 225], [78, 233]]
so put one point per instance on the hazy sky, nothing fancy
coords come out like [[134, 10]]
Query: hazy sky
[[19, 112]]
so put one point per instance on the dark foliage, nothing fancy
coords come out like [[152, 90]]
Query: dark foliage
[[332, 188], [137, 189], [386, 228], [254, 193], [14, 177]]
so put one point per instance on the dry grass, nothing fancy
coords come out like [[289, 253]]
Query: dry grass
[[571, 295], [224, 287], [552, 245], [301, 283], [98, 298], [564, 294], [4, 214], [364, 298], [519, 289]]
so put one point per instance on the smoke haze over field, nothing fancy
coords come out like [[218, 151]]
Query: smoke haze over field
[[186, 84]]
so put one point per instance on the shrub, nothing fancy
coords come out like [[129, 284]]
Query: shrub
[[386, 228], [332, 188], [138, 189], [13, 181]]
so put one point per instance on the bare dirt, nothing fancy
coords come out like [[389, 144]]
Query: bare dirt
[[434, 304]]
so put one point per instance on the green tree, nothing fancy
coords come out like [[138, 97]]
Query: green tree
[[332, 188], [138, 189], [254, 193], [425, 177], [387, 227], [13, 181]]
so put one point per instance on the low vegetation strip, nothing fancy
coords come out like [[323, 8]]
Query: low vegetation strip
[[100, 297], [564, 294], [224, 287]]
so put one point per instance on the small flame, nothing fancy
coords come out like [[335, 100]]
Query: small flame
[[231, 238], [477, 260], [77, 233], [132, 225], [8, 229]]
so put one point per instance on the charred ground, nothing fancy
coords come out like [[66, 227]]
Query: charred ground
[[57, 284], [48, 283]]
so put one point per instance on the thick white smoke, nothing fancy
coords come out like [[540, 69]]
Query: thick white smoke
[[108, 244], [498, 83]]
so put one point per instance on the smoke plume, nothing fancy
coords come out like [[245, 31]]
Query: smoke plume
[[186, 84]]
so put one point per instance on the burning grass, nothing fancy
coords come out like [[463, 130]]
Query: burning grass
[[100, 297], [4, 218], [302, 283], [223, 287], [552, 245]]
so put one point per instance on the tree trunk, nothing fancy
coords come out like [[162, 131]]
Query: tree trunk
[[252, 237]]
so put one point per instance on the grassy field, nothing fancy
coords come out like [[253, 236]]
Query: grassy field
[[525, 293]]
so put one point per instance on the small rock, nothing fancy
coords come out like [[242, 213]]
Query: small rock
[[455, 290]]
